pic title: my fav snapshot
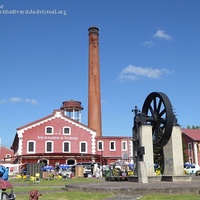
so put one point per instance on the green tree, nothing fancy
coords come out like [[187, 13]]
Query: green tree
[[185, 156]]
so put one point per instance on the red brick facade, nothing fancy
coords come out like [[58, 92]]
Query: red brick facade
[[191, 142], [60, 139], [6, 155]]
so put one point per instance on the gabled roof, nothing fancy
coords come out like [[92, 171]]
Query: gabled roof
[[55, 114], [2, 148], [113, 137], [194, 134]]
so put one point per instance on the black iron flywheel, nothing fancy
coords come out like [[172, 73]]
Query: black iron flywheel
[[159, 113]]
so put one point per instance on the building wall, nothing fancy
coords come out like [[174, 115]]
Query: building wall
[[38, 135], [190, 149], [36, 132], [6, 155], [119, 152]]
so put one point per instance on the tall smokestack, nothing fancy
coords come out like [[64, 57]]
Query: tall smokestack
[[94, 91]]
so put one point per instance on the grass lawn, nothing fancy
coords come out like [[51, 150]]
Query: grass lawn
[[171, 197], [51, 190]]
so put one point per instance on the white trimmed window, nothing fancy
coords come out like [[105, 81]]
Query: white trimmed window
[[31, 145], [100, 146], [8, 157], [83, 147], [49, 130], [48, 146], [66, 130], [124, 145], [66, 147], [190, 146], [112, 146]]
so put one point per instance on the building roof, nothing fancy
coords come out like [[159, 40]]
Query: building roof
[[55, 114], [2, 148], [113, 137], [194, 134]]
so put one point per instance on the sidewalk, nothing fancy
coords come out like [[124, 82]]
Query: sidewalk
[[125, 188]]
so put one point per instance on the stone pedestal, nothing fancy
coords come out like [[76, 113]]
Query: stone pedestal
[[142, 172], [173, 154], [145, 135]]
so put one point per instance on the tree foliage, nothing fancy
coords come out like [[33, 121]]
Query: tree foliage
[[193, 127]]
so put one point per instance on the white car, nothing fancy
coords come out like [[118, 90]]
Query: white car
[[192, 169]]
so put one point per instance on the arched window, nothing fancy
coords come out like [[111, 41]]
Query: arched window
[[66, 147], [112, 146], [49, 130], [66, 130], [48, 146], [124, 145], [83, 147], [8, 157], [31, 146], [100, 146]]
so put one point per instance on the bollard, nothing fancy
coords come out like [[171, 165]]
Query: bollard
[[33, 195]]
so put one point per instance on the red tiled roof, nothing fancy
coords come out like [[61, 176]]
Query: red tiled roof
[[194, 134]]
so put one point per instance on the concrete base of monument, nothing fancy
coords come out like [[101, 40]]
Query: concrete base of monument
[[151, 179], [181, 178], [155, 179]]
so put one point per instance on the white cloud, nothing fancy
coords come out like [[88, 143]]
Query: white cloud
[[162, 35], [17, 100], [134, 73], [31, 101], [149, 43]]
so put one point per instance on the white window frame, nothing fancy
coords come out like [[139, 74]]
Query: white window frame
[[114, 146], [34, 146], [64, 146], [98, 146], [189, 146], [52, 147], [69, 130], [52, 128], [8, 157], [85, 146], [124, 142]]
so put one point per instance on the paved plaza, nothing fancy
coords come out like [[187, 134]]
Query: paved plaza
[[133, 190]]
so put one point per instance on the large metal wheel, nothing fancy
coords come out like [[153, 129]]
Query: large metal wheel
[[158, 110]]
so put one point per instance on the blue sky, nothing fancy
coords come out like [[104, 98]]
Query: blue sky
[[145, 46]]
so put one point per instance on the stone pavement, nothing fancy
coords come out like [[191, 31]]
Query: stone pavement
[[132, 190]]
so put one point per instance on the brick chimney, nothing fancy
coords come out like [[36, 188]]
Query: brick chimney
[[94, 90]]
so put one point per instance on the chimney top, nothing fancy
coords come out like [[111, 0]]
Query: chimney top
[[94, 30]]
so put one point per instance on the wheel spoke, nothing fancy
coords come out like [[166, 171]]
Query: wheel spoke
[[151, 109], [159, 106], [163, 112], [155, 105]]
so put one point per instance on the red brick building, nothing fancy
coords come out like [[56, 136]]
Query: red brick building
[[6, 155], [62, 138], [191, 139], [59, 139]]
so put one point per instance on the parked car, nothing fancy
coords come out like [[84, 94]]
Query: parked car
[[192, 169]]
